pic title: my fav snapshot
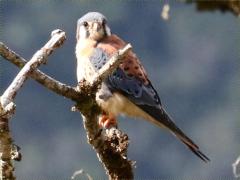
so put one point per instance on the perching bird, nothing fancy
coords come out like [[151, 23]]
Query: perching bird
[[127, 90]]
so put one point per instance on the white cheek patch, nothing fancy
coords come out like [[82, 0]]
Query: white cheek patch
[[83, 33]]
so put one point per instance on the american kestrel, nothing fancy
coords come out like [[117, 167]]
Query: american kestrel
[[127, 90]]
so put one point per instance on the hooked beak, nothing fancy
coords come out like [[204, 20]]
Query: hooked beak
[[96, 30], [96, 26]]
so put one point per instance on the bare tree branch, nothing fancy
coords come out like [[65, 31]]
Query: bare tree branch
[[110, 145], [7, 107], [40, 57], [39, 76]]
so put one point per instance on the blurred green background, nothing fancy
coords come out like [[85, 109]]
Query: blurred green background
[[192, 60]]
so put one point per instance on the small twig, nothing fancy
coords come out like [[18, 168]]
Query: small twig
[[39, 76], [81, 172]]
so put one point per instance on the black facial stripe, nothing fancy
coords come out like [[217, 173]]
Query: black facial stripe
[[92, 16], [104, 30]]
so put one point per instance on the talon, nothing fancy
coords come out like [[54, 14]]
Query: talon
[[107, 121], [110, 122], [101, 120]]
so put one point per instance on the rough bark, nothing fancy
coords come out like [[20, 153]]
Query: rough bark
[[6, 166]]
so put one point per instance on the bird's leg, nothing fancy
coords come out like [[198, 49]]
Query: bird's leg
[[107, 120], [102, 118]]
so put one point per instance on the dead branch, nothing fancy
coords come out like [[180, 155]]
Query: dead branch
[[7, 106], [39, 76], [110, 145], [40, 57]]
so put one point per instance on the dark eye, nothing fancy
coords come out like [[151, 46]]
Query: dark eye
[[85, 24]]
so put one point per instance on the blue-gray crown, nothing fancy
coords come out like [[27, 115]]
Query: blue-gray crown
[[92, 16]]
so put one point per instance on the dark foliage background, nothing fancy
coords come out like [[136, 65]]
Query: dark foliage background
[[192, 60]]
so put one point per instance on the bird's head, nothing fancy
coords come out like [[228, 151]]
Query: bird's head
[[92, 25]]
